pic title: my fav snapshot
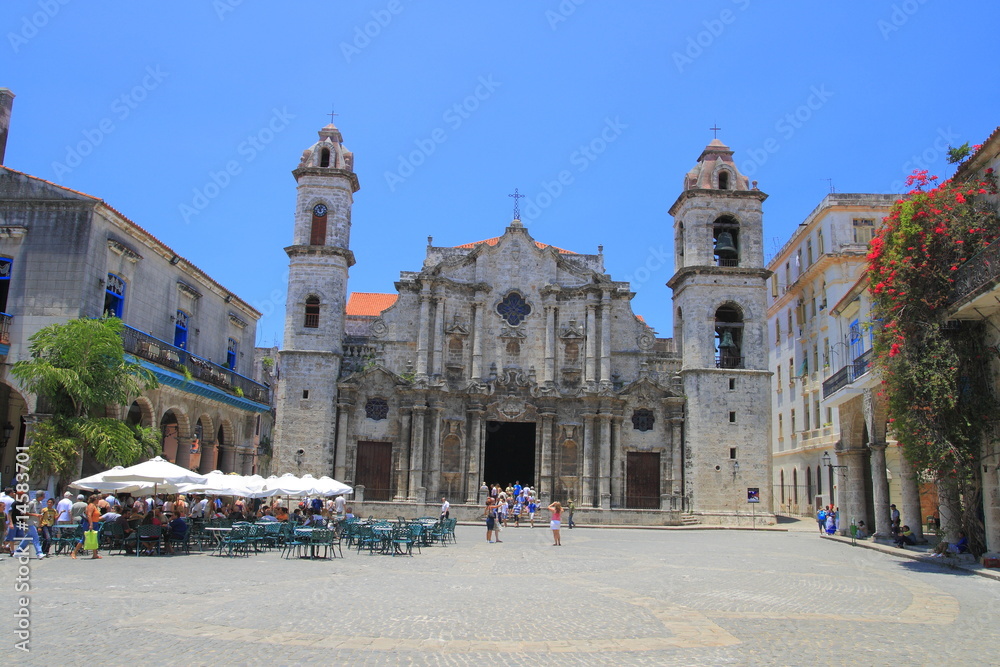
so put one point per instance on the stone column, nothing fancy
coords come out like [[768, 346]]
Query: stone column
[[438, 336], [617, 462], [676, 445], [548, 369], [477, 341], [587, 495], [991, 495], [227, 458], [880, 491], [911, 514], [604, 454], [432, 480], [606, 338], [950, 508], [209, 457], [473, 436], [417, 452], [545, 482], [852, 491], [340, 455], [422, 324], [403, 469], [183, 449], [589, 372]]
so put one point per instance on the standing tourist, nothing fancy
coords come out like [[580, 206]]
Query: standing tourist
[[64, 509], [491, 521], [445, 508], [570, 511], [90, 521], [556, 523]]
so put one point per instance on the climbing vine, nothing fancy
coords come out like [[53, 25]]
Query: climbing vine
[[934, 372]]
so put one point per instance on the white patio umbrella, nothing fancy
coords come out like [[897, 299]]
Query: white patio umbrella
[[327, 486], [288, 485], [99, 483], [162, 474], [219, 483]]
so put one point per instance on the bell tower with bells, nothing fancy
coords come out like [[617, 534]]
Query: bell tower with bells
[[720, 329]]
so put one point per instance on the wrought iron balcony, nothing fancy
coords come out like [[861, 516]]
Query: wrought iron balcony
[[977, 274], [848, 374], [160, 352], [728, 361]]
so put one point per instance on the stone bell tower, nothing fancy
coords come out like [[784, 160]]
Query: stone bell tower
[[720, 326], [319, 259]]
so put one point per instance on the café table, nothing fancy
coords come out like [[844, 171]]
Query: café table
[[218, 532]]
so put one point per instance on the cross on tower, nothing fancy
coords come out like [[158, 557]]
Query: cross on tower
[[332, 114], [517, 206], [715, 130]]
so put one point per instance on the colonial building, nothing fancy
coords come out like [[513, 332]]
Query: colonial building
[[513, 360], [814, 269], [64, 255]]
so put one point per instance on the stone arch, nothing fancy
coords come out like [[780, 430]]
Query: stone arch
[[729, 336], [175, 432], [227, 432], [140, 413]]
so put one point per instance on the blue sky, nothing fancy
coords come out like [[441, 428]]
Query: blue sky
[[449, 107]]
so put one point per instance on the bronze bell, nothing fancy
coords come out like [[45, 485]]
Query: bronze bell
[[727, 339], [724, 247]]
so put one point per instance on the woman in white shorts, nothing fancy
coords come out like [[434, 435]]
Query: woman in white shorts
[[556, 510]]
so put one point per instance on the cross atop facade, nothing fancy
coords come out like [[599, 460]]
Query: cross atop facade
[[715, 130], [332, 114], [517, 206]]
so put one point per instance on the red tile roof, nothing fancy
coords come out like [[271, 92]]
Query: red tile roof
[[495, 239], [369, 303]]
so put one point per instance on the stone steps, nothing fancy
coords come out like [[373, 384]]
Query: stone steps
[[690, 520]]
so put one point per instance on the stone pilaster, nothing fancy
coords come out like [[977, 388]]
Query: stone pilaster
[[477, 341], [548, 369], [590, 372], [617, 462], [439, 304], [417, 451], [676, 456], [880, 491], [546, 483], [587, 491], [422, 325], [343, 425], [403, 469], [606, 338], [432, 480], [473, 439], [604, 459]]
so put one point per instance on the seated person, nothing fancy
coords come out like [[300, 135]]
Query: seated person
[[951, 549], [281, 514], [904, 537], [178, 530], [349, 515], [316, 519], [862, 533], [267, 516]]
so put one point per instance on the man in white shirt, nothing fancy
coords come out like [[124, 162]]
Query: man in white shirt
[[64, 508], [338, 506], [7, 498], [445, 507]]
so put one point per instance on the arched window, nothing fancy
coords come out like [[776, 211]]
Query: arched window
[[114, 296], [312, 312], [723, 180], [809, 485], [819, 482], [728, 337], [726, 232], [317, 232], [795, 485], [781, 482], [324, 157], [181, 330]]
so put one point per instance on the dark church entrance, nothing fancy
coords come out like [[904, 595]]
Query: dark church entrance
[[510, 453]]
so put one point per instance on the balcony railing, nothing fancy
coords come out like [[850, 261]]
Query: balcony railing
[[160, 352], [5, 320], [728, 361], [848, 374], [979, 272]]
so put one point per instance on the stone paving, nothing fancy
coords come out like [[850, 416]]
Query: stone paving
[[606, 597]]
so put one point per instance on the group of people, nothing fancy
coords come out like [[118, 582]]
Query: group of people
[[37, 521], [510, 504]]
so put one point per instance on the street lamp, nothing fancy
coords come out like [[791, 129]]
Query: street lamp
[[826, 462], [8, 430]]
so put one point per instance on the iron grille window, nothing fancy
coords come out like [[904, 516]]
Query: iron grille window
[[377, 408], [643, 420]]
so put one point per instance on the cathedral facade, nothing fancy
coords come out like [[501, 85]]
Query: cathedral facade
[[512, 360]]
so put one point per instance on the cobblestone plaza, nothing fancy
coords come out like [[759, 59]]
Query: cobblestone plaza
[[607, 597]]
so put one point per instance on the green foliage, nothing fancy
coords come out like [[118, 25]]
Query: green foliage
[[959, 153], [267, 363], [934, 377], [238, 391], [80, 369]]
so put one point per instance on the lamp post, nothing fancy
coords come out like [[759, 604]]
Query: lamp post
[[8, 430]]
